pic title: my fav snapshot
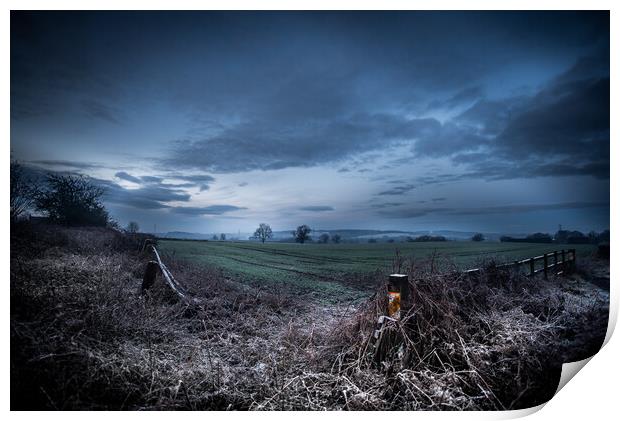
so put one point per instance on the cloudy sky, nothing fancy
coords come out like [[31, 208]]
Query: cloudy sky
[[208, 122]]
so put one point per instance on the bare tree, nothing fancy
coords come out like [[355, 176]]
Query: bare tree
[[22, 191], [263, 232], [477, 237], [133, 227], [302, 233]]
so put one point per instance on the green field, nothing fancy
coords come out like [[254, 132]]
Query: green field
[[332, 268]]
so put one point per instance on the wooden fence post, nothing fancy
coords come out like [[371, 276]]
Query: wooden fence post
[[555, 261], [574, 261], [545, 262], [563, 260], [149, 275], [399, 297], [532, 267]]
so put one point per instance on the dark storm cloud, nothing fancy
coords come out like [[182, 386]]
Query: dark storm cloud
[[385, 205], [151, 179], [200, 181], [145, 197], [405, 213], [317, 208], [67, 164], [127, 177], [348, 93], [398, 190], [207, 210], [281, 144], [562, 130]]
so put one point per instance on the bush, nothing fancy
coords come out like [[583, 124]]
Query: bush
[[72, 201]]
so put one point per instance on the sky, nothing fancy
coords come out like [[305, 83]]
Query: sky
[[218, 121]]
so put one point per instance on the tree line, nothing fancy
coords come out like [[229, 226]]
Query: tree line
[[562, 237]]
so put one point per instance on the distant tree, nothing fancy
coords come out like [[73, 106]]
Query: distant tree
[[214, 237], [223, 237], [372, 240], [409, 239], [390, 240], [324, 238], [477, 237], [302, 234], [263, 232], [132, 227], [72, 200], [336, 238], [23, 192]]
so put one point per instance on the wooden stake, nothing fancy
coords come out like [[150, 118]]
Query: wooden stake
[[399, 297], [149, 275]]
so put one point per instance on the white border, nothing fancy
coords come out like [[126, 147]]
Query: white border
[[591, 395]]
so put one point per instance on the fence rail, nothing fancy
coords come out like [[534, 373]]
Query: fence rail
[[150, 275], [559, 259]]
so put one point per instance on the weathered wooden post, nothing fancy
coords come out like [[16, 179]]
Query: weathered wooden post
[[149, 275], [555, 261], [574, 261], [532, 266], [563, 260], [399, 297], [545, 262], [148, 242]]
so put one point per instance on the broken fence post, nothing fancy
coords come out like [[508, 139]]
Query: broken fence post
[[399, 297], [149, 275]]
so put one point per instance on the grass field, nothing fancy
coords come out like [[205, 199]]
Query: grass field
[[332, 269]]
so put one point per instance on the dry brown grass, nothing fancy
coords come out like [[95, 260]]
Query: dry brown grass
[[82, 337]]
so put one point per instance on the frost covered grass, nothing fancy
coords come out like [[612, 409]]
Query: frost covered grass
[[82, 336]]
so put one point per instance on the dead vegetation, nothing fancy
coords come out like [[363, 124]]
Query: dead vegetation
[[82, 336]]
